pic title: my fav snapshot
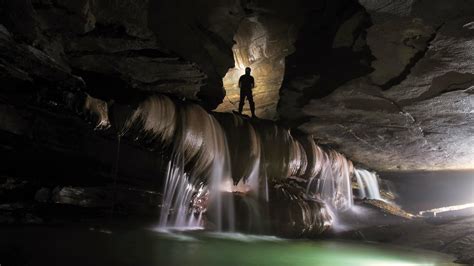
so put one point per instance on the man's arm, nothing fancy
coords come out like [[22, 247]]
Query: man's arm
[[253, 83], [240, 82]]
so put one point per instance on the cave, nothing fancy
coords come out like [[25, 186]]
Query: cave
[[122, 142]]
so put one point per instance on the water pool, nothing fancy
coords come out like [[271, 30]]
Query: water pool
[[91, 246]]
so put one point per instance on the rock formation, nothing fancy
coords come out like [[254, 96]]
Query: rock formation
[[263, 40], [406, 101]]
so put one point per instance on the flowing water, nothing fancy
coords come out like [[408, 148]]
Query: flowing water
[[368, 184], [210, 154]]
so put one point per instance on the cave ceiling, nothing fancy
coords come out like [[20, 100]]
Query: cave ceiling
[[411, 107]]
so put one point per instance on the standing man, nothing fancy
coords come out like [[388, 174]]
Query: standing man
[[246, 84]]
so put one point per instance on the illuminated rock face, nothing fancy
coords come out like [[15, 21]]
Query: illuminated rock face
[[413, 106], [262, 43]]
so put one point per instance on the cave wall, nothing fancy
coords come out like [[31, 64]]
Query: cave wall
[[125, 48], [272, 31], [263, 40], [396, 93]]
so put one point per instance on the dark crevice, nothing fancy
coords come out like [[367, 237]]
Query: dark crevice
[[115, 87], [335, 66], [383, 7], [431, 92], [113, 31], [168, 81], [296, 122], [413, 61], [149, 53], [53, 4], [315, 55], [215, 39], [108, 86]]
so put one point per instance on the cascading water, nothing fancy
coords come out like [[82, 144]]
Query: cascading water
[[368, 184], [220, 178], [245, 155], [199, 165], [178, 192], [213, 156], [332, 183]]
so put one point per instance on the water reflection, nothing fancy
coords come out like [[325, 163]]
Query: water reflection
[[82, 246]]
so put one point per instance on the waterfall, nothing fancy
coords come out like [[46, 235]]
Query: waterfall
[[333, 181], [178, 192], [198, 172], [220, 178], [212, 156], [368, 184]]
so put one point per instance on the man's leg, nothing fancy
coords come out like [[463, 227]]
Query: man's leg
[[241, 103], [252, 104]]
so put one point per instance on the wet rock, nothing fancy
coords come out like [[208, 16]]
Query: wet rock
[[97, 111], [293, 214], [388, 208], [252, 215]]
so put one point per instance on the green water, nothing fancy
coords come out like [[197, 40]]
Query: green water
[[87, 246], [250, 250]]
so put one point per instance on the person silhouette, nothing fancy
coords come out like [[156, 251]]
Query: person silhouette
[[246, 84]]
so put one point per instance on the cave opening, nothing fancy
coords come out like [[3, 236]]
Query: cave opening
[[262, 42]]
